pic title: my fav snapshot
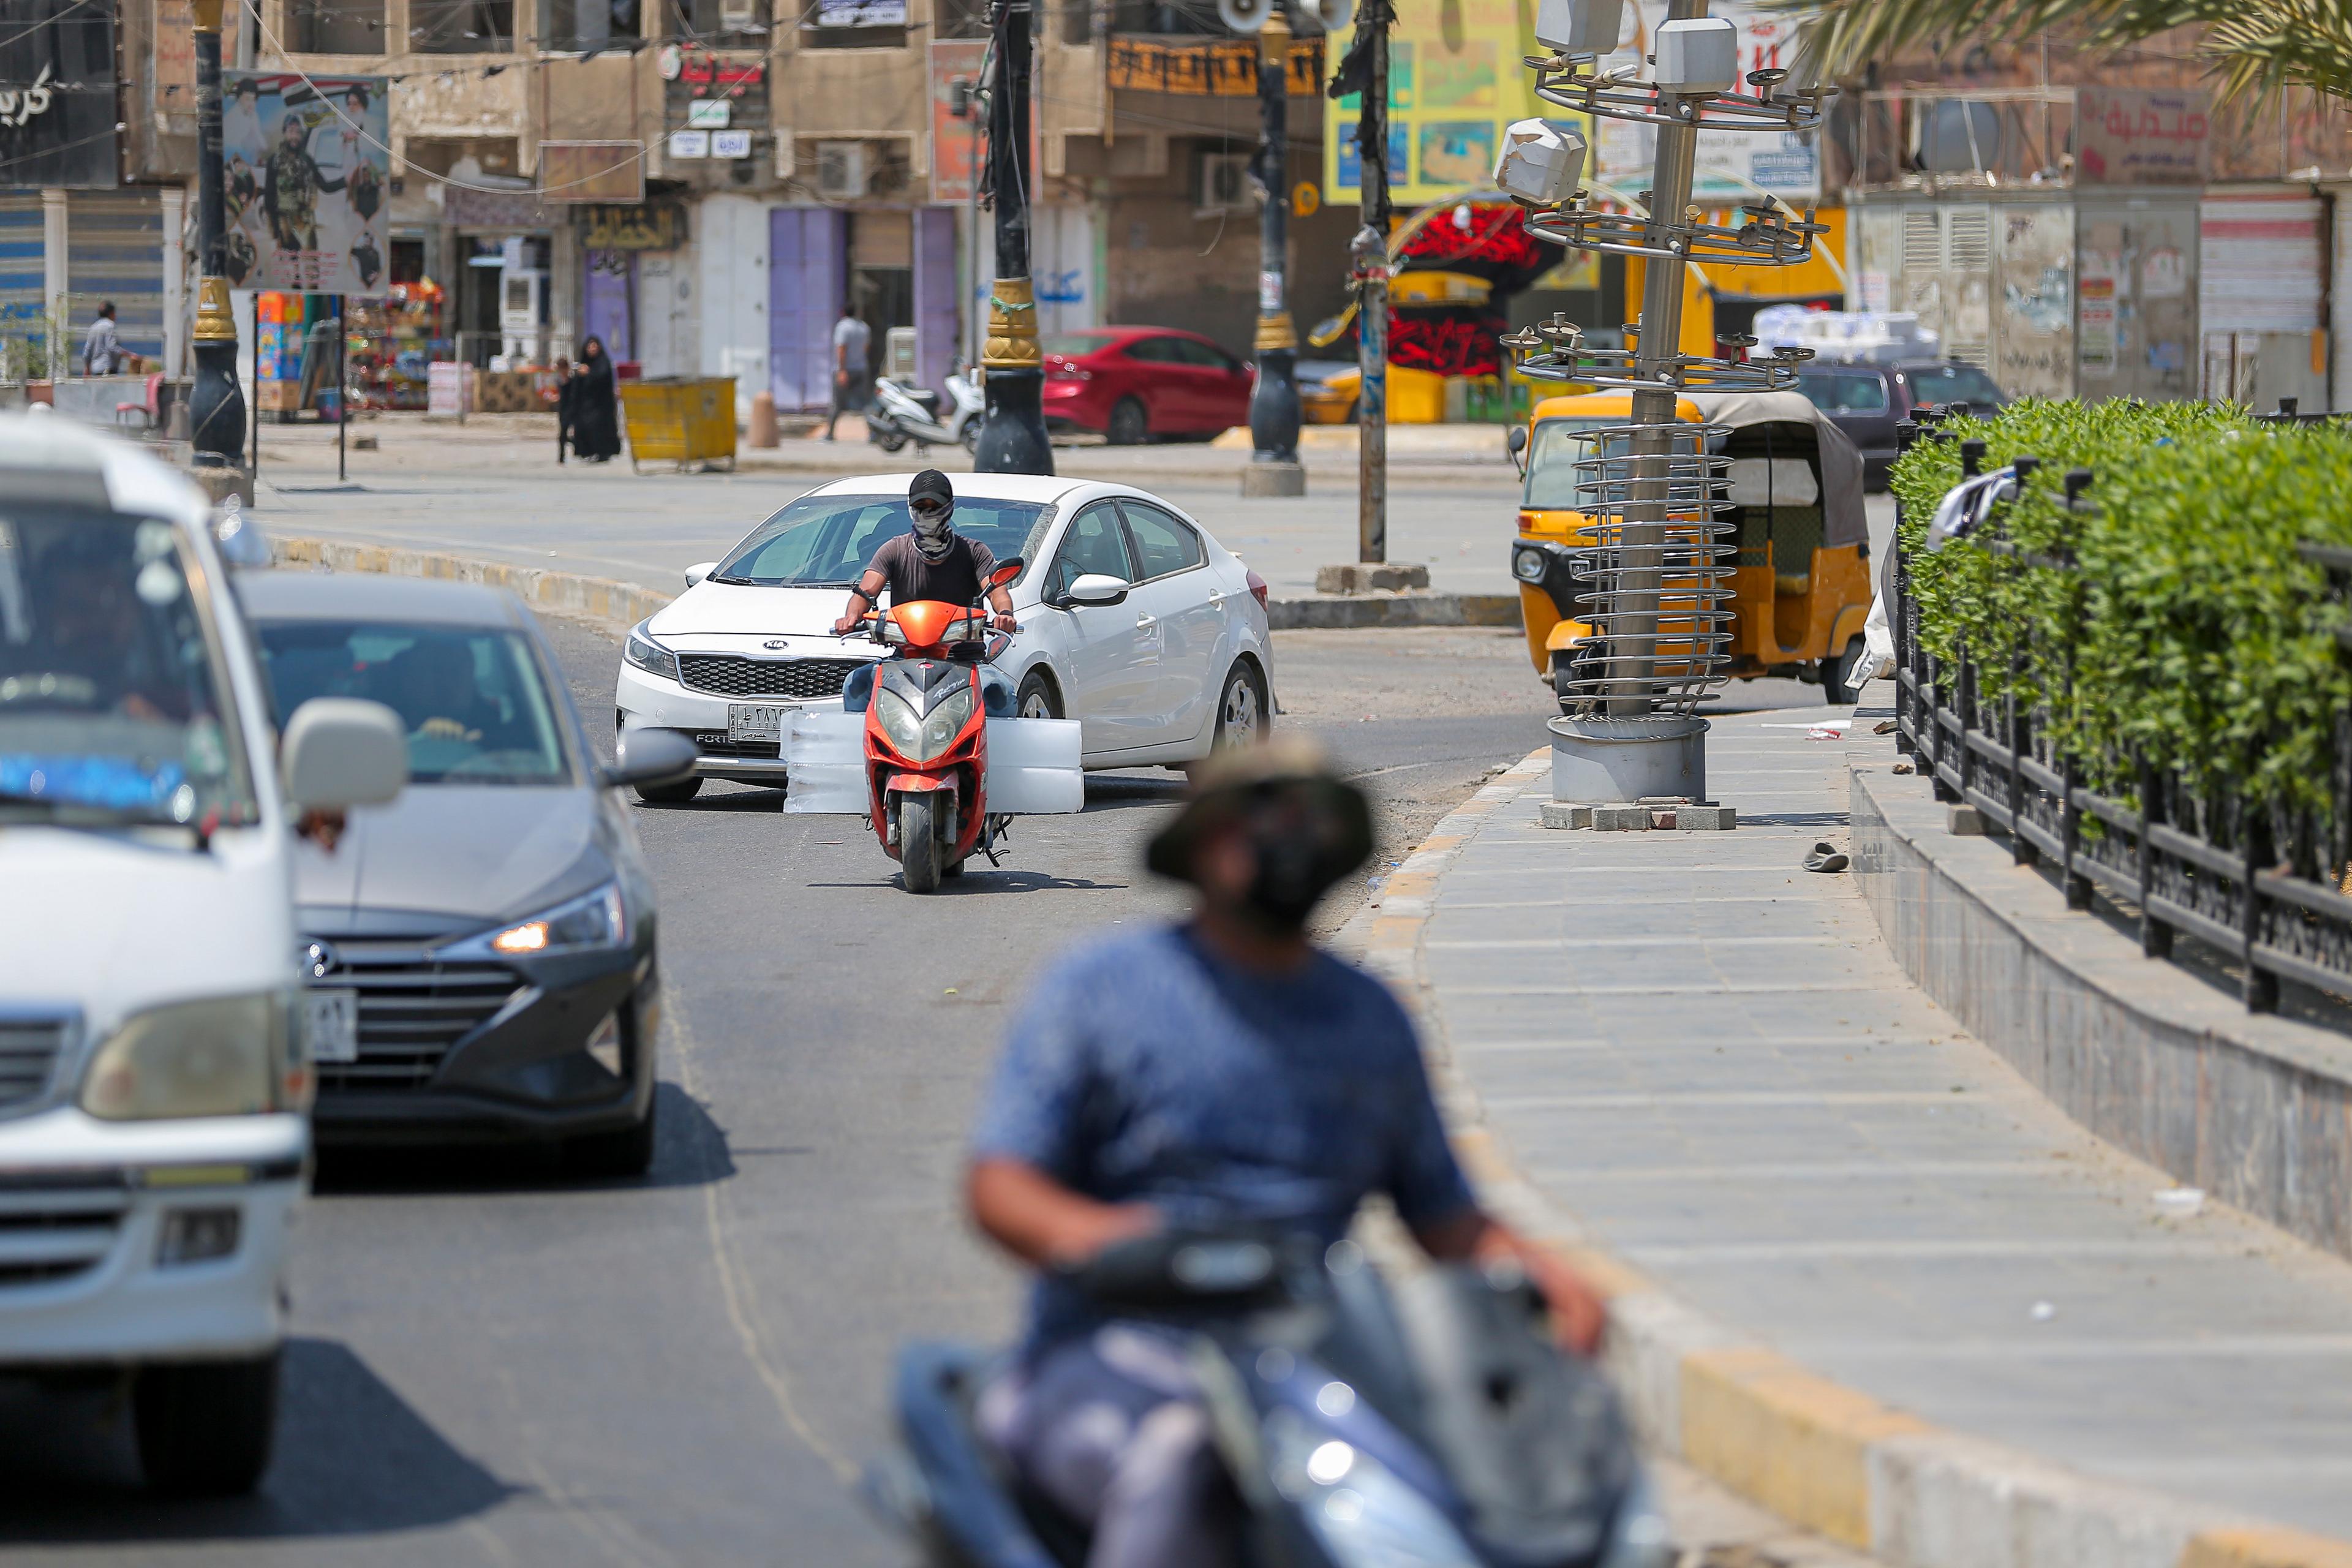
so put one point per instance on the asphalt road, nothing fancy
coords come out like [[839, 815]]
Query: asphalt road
[[493, 1366]]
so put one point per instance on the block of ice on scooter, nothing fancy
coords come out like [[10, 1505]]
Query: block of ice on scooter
[[1032, 767], [824, 756]]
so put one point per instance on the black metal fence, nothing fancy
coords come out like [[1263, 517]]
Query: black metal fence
[[2266, 888]]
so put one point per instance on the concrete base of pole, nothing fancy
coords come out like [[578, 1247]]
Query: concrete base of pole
[[1605, 761], [1274, 480], [220, 481], [1371, 577]]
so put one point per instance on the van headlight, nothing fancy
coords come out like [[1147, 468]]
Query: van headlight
[[592, 920], [221, 1056], [648, 654], [1363, 1516]]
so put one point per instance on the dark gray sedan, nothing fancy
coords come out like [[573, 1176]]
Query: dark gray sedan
[[481, 951]]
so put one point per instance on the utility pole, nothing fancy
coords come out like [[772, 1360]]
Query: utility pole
[[1656, 552], [1013, 432], [216, 402], [1370, 253], [1275, 468]]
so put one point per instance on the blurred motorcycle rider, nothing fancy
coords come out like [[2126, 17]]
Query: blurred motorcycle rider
[[1222, 1070], [934, 562]]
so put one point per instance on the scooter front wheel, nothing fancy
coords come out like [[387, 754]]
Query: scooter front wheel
[[891, 441], [919, 844]]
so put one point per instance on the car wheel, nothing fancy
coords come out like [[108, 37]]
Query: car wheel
[[677, 794], [919, 844], [1037, 699], [1841, 674], [204, 1427], [626, 1151], [1241, 707], [1129, 425]]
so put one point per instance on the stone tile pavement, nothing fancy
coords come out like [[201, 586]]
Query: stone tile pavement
[[1703, 1056]]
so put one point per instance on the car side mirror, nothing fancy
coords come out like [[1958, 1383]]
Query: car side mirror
[[1094, 588], [1517, 443], [341, 752], [698, 571], [650, 759], [1007, 571]]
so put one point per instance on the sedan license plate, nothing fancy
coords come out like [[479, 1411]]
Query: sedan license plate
[[332, 1018], [759, 721]]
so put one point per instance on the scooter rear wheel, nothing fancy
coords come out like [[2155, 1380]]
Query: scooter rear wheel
[[919, 844], [894, 441]]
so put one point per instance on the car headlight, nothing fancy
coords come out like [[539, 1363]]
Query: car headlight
[[648, 654], [592, 920], [899, 721], [946, 722], [1363, 1516], [221, 1056]]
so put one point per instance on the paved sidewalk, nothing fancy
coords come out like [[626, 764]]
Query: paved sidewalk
[[1705, 1055]]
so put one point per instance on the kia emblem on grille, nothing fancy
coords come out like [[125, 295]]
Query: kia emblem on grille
[[322, 958], [777, 643]]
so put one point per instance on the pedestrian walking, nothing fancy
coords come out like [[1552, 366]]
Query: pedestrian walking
[[595, 411], [852, 339], [101, 350], [566, 399]]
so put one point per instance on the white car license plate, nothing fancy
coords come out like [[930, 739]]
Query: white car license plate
[[759, 721], [333, 1021]]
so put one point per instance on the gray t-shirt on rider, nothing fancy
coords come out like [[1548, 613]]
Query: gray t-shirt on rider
[[955, 578]]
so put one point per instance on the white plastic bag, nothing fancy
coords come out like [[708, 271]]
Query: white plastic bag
[[1032, 767]]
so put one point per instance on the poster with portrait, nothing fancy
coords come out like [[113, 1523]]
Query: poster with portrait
[[308, 166]]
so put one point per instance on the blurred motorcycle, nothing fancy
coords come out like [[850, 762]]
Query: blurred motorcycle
[[901, 414]]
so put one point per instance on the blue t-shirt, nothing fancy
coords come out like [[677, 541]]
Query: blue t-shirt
[[1146, 1069]]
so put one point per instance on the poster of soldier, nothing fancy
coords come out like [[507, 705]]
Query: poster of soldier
[[309, 173]]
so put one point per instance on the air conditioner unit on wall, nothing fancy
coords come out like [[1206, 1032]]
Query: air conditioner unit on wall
[[841, 171], [1225, 184]]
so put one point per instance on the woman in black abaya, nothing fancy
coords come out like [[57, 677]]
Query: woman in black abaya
[[595, 409]]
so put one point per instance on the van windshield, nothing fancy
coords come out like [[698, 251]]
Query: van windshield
[[114, 703], [827, 541]]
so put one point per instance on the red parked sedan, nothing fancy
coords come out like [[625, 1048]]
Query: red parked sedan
[[1132, 384]]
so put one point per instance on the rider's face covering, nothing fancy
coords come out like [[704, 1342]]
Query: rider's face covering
[[1293, 864], [931, 529]]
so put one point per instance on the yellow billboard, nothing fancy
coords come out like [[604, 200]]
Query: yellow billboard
[[1455, 79]]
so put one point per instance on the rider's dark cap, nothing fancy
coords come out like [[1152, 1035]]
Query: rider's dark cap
[[1229, 781], [930, 485]]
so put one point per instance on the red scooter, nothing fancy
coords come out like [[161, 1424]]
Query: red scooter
[[927, 735]]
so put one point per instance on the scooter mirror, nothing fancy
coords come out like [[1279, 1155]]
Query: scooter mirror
[[1007, 571]]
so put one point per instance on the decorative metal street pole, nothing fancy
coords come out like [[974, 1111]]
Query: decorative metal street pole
[[216, 405], [1370, 254], [1013, 432], [1655, 555], [1275, 468]]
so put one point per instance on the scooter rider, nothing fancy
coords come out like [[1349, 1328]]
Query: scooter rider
[[934, 562], [1225, 1071]]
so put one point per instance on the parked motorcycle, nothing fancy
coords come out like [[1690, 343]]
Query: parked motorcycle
[[937, 760], [1432, 1423], [901, 414]]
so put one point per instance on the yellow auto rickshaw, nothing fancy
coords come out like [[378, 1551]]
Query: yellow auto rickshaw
[[1801, 578]]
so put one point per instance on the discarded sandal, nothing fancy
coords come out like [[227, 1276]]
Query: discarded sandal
[[1884, 727], [1826, 856]]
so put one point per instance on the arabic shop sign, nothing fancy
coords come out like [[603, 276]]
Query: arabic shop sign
[[57, 94], [2141, 136]]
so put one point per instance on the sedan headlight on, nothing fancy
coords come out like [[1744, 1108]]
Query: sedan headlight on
[[648, 654], [946, 722], [223, 1055], [592, 920]]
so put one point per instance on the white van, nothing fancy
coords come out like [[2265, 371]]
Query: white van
[[153, 1076]]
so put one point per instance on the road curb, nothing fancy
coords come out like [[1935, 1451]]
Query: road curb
[[1823, 1456], [620, 605]]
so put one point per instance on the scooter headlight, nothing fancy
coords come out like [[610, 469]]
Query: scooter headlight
[[946, 722], [1361, 1513], [899, 721]]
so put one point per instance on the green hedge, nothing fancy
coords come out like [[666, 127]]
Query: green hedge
[[2198, 639]]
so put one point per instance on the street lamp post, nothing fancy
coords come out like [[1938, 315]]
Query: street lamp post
[[216, 405], [1370, 254], [1012, 431], [1275, 468]]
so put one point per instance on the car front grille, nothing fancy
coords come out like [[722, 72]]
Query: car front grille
[[28, 1057], [52, 1228], [414, 1009], [726, 675]]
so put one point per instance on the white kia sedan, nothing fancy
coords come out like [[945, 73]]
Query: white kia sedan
[[1133, 621]]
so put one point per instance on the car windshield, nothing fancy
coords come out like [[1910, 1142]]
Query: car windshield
[[1843, 394], [114, 700], [827, 541], [1940, 384], [1552, 457], [473, 699]]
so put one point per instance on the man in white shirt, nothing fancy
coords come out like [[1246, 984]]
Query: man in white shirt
[[851, 340], [102, 350]]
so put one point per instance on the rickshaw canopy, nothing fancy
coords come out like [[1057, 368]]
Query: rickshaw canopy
[[1843, 520]]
